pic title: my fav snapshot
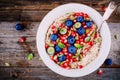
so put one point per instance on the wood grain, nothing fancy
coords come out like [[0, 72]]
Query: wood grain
[[29, 10], [47, 74], [11, 50]]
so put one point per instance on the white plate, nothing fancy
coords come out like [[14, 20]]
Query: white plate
[[59, 11]]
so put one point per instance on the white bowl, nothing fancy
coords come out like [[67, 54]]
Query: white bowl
[[59, 11]]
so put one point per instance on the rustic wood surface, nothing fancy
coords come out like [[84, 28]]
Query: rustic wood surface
[[30, 13]]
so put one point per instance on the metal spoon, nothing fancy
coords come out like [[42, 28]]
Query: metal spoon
[[111, 7]]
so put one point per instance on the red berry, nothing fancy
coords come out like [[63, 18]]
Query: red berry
[[60, 25], [78, 42], [73, 33], [70, 55], [64, 50], [67, 60], [62, 65], [99, 72], [66, 53], [81, 14], [55, 31], [80, 66], [81, 40], [53, 42], [52, 26], [90, 43], [56, 60], [66, 64], [67, 45], [22, 39], [83, 23], [104, 8], [52, 57], [74, 60], [46, 46], [77, 14], [85, 15]]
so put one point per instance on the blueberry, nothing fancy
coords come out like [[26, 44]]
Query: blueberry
[[57, 48], [19, 26], [62, 58], [89, 23], [54, 37], [81, 30], [80, 19], [71, 40], [108, 61], [69, 23], [72, 49]]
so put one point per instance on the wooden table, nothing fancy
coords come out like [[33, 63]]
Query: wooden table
[[30, 13]]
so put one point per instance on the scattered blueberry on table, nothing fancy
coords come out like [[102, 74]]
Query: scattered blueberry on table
[[19, 26], [108, 61]]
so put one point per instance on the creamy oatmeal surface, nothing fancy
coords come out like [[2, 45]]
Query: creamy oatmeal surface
[[72, 40]]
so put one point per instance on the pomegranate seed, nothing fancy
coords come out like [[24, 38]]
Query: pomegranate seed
[[99, 72], [56, 60], [70, 55], [81, 40], [67, 60], [22, 39], [77, 14], [46, 46], [65, 50], [81, 14], [55, 31], [60, 25], [74, 60], [78, 42], [71, 60], [62, 65], [80, 66], [73, 33], [66, 64], [66, 53], [52, 26], [104, 8], [65, 41], [85, 15], [52, 57], [68, 45], [83, 24]]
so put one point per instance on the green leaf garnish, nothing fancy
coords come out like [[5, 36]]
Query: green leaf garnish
[[30, 56]]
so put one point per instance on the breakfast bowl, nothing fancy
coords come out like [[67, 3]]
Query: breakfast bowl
[[50, 18]]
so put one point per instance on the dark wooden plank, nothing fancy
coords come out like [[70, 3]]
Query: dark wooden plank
[[37, 16], [30, 4], [47, 74], [36, 10]]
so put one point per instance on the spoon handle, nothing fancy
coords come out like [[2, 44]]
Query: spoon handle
[[111, 7]]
